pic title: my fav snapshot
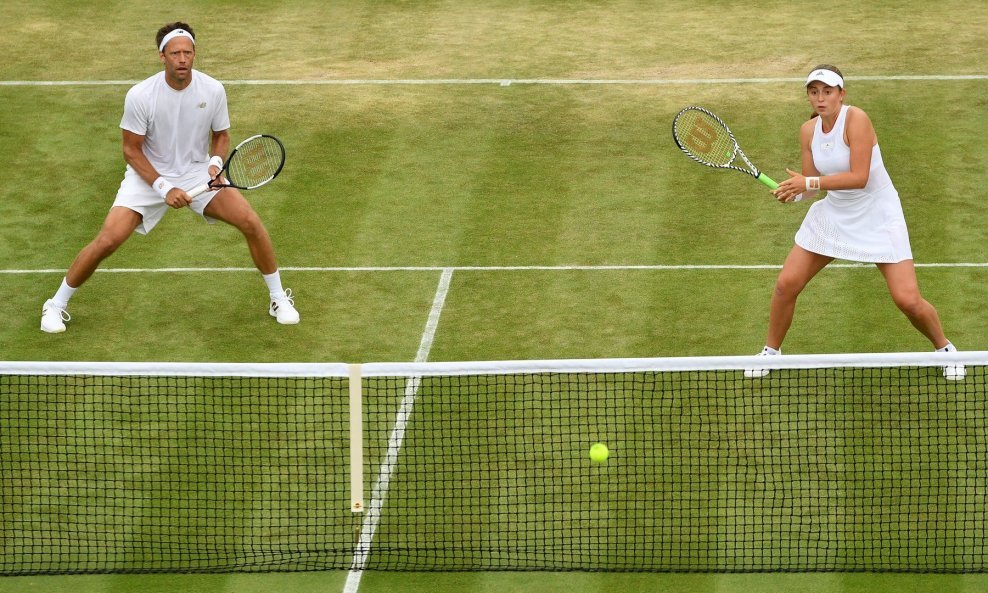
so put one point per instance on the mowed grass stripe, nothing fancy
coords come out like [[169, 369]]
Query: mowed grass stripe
[[474, 177], [546, 268], [504, 81]]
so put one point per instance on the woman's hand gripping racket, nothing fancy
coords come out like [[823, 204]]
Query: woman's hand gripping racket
[[253, 163], [706, 139]]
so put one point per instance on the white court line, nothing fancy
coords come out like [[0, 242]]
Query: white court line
[[504, 82], [605, 267], [380, 491]]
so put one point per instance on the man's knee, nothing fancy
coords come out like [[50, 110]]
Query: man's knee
[[118, 227], [250, 225], [106, 243], [231, 207]]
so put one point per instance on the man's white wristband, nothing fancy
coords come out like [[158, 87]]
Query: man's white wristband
[[216, 161], [162, 186]]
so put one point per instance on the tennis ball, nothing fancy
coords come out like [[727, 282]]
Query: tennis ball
[[599, 453]]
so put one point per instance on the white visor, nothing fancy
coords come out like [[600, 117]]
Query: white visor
[[827, 77]]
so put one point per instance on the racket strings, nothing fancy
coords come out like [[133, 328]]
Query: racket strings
[[256, 162], [704, 138]]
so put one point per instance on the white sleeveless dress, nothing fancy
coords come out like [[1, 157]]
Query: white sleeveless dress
[[865, 225]]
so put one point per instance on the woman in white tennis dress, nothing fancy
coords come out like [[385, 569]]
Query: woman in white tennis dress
[[860, 219]]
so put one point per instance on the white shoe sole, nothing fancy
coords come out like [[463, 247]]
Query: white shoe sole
[[293, 321]]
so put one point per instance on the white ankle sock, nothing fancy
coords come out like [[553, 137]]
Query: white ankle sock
[[273, 281], [63, 295], [948, 348]]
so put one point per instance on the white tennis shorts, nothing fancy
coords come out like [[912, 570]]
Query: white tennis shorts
[[137, 195]]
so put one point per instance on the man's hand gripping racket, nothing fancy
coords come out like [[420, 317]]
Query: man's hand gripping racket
[[706, 139], [253, 163]]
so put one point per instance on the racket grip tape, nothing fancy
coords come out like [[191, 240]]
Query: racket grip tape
[[767, 181], [195, 191]]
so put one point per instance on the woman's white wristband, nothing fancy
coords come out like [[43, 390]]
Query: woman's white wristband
[[216, 161], [162, 186], [812, 183]]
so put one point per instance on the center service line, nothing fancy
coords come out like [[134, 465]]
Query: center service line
[[380, 491]]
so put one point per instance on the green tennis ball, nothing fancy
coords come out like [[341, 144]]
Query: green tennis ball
[[599, 453]]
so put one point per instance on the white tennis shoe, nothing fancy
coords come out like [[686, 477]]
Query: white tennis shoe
[[953, 372], [283, 309], [53, 318], [759, 373]]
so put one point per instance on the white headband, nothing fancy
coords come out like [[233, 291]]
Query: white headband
[[173, 35], [827, 77]]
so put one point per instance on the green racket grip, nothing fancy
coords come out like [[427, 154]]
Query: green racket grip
[[767, 181]]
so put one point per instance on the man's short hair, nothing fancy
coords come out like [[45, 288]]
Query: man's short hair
[[169, 28]]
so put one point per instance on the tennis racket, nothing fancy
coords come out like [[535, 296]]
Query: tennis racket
[[253, 163], [706, 139]]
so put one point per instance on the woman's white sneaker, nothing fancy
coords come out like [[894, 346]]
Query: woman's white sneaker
[[759, 373], [952, 372]]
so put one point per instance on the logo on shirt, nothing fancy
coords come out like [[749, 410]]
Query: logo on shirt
[[202, 105], [827, 146]]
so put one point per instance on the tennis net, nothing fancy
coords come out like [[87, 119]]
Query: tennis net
[[860, 462]]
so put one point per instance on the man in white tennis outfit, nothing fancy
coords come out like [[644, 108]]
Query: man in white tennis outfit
[[172, 123]]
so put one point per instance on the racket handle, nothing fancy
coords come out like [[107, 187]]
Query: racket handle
[[767, 181], [195, 191]]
